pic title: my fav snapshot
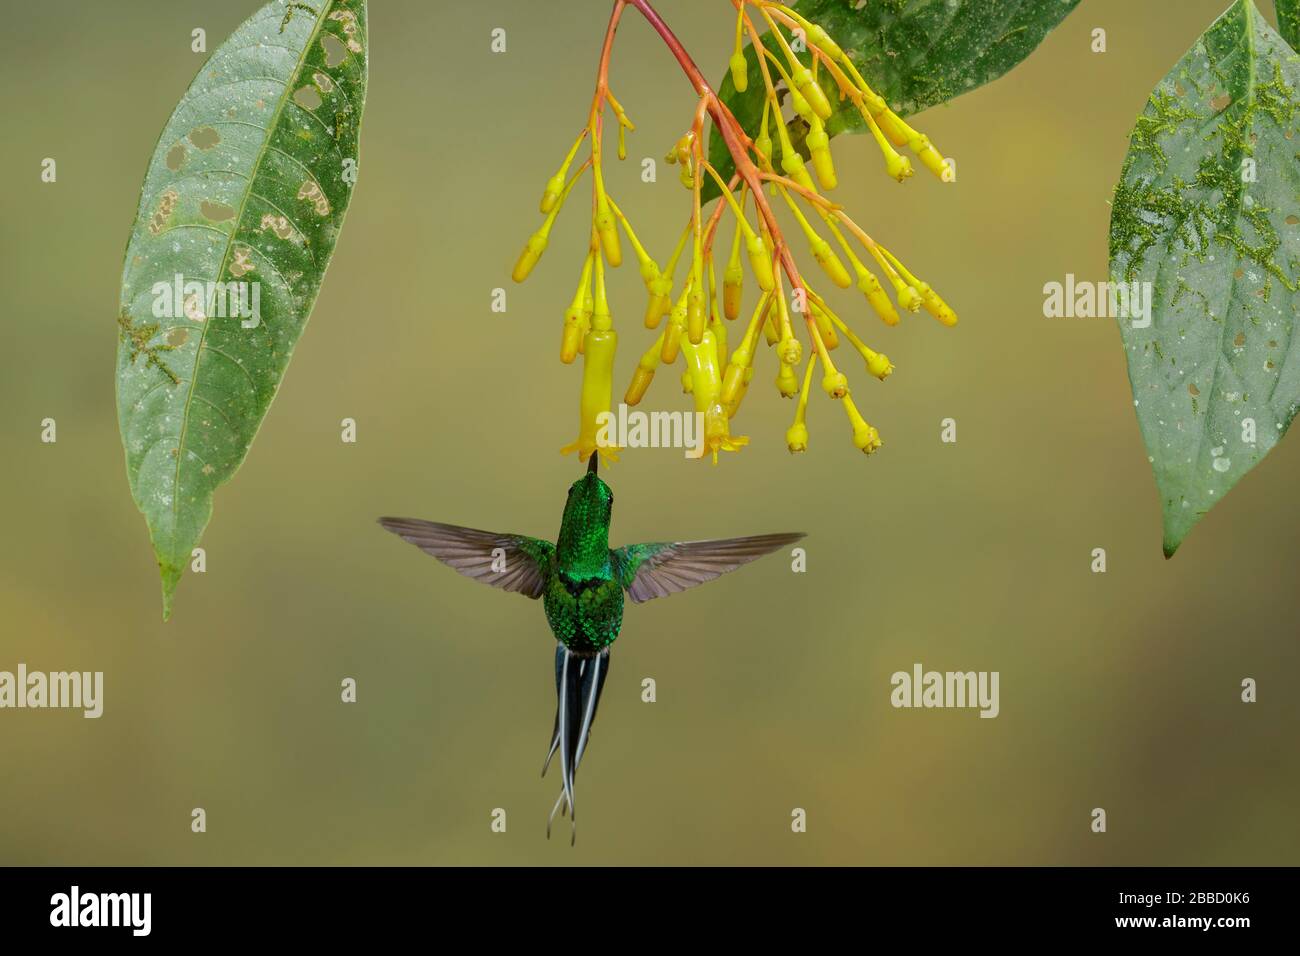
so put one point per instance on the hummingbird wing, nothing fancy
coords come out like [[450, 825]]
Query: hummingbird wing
[[512, 562], [661, 568]]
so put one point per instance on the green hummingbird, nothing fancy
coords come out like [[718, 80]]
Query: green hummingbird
[[581, 582]]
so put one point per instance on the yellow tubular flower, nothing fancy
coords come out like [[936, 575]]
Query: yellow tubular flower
[[706, 385], [796, 437], [696, 317], [892, 125], [661, 292], [899, 167], [825, 326], [907, 287], [648, 267], [555, 185], [607, 232], [676, 325], [760, 259], [865, 438], [536, 244], [938, 308], [816, 35], [930, 157], [733, 280], [742, 358], [800, 78], [644, 374], [876, 297], [878, 363], [577, 314], [792, 165], [821, 249], [702, 371], [597, 389], [819, 145], [739, 68], [926, 295], [606, 228]]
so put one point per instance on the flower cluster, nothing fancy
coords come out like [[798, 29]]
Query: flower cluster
[[685, 311]]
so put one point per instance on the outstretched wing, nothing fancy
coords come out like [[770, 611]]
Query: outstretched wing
[[658, 569], [512, 562]]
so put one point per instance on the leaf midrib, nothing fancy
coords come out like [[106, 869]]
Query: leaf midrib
[[225, 262], [1248, 10]]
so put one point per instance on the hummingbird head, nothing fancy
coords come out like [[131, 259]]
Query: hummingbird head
[[584, 531]]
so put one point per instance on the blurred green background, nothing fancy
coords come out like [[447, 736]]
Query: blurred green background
[[1118, 690]]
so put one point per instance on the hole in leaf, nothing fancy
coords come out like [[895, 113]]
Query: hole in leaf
[[178, 337], [307, 97], [1292, 220], [216, 211], [325, 84], [176, 157], [335, 50], [205, 137], [1221, 103]]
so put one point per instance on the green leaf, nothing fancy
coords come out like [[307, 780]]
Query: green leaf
[[1207, 211], [1288, 22], [914, 53], [249, 184]]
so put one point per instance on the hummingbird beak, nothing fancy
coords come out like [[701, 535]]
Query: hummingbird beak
[[579, 682], [593, 463]]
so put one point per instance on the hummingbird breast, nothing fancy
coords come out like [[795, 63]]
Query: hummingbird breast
[[585, 614]]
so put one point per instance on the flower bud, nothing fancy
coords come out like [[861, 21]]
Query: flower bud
[[551, 194], [930, 157], [835, 384], [660, 302], [819, 145], [938, 308], [876, 297], [812, 91], [641, 380], [796, 438], [760, 261], [528, 258], [574, 320], [733, 284], [608, 232], [899, 133], [739, 71], [793, 165], [695, 316], [830, 263], [821, 39]]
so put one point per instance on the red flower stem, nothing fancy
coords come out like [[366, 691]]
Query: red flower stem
[[732, 134]]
